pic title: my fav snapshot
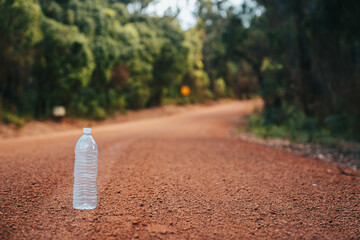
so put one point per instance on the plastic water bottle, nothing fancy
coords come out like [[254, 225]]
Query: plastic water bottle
[[85, 172]]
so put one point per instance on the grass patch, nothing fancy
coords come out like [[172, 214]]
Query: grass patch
[[302, 130], [9, 118]]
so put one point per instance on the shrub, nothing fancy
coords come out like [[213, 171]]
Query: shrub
[[98, 113], [295, 126], [136, 94], [120, 104], [220, 88], [10, 118]]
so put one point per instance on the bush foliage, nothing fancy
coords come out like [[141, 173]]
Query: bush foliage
[[93, 57]]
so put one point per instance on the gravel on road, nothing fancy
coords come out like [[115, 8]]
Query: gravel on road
[[181, 176]]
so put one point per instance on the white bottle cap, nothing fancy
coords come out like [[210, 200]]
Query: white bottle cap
[[87, 130]]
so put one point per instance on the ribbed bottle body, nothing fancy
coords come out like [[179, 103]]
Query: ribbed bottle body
[[85, 174]]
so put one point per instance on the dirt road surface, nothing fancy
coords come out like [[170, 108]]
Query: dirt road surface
[[175, 177]]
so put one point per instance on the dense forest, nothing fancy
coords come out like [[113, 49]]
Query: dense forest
[[95, 58]]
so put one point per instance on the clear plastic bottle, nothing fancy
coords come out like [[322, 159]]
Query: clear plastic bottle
[[85, 172]]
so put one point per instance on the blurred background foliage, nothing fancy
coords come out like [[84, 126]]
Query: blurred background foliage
[[93, 57], [97, 57]]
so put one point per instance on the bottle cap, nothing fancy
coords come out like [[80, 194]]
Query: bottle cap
[[87, 130]]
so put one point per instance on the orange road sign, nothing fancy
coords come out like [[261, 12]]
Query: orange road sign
[[185, 90]]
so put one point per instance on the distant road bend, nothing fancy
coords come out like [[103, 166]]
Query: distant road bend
[[175, 177]]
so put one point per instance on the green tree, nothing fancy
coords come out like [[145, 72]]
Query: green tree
[[65, 65], [19, 35]]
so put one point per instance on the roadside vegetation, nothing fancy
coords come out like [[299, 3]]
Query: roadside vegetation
[[309, 62], [298, 128], [96, 58]]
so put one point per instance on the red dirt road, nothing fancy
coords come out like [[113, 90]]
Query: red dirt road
[[175, 177]]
